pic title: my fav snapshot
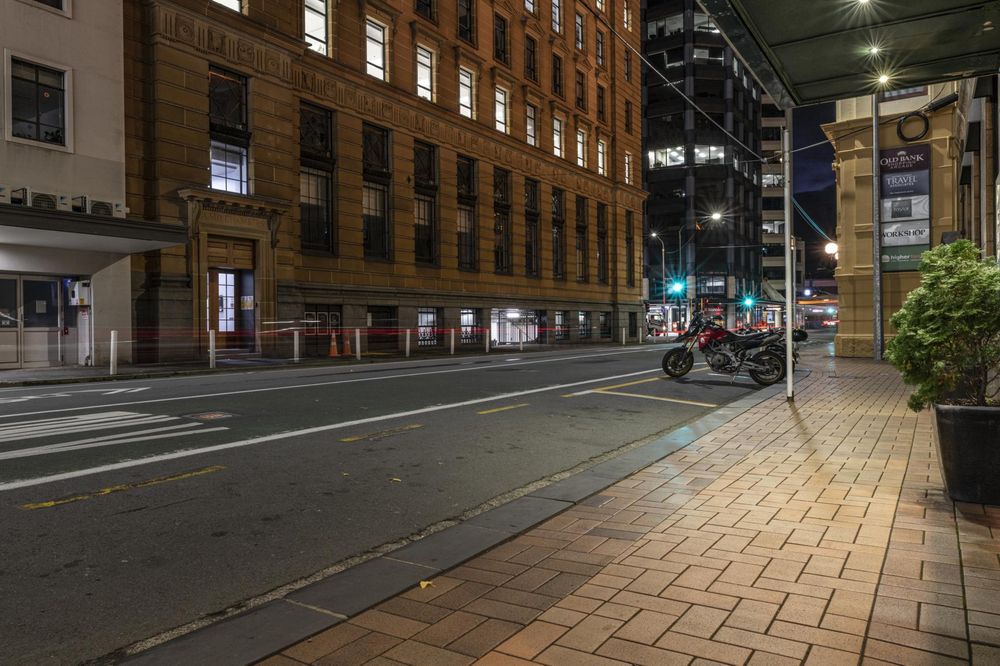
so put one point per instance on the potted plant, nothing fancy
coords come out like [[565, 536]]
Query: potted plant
[[948, 347]]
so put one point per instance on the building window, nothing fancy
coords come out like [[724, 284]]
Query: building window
[[600, 48], [501, 110], [466, 93], [472, 328], [582, 258], [604, 319], [502, 260], [428, 333], [316, 25], [316, 178], [557, 137], [230, 138], [629, 250], [37, 103], [375, 194], [628, 65], [425, 8], [375, 49], [602, 111], [581, 91], [711, 284], [530, 59], [602, 158], [425, 73], [557, 16], [531, 127], [558, 234], [628, 117], [532, 238], [529, 6], [626, 15], [600, 5], [602, 243], [901, 93], [557, 76], [231, 4], [666, 157], [467, 20], [466, 181], [501, 39], [579, 32], [562, 325], [709, 154], [628, 168], [581, 148], [425, 185], [585, 327]]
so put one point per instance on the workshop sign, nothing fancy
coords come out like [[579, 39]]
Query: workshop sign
[[906, 206]]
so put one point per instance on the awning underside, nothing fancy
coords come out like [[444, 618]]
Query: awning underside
[[808, 52]]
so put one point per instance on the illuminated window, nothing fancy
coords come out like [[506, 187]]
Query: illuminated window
[[425, 73], [466, 89], [602, 158], [557, 137], [375, 49], [315, 25], [501, 110]]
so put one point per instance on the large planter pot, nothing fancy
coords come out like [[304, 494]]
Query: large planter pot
[[968, 440]]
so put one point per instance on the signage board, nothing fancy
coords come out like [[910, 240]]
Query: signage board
[[905, 206]]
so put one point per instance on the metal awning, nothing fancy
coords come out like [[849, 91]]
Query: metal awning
[[804, 52], [20, 225]]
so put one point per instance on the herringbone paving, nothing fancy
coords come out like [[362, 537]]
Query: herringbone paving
[[811, 532]]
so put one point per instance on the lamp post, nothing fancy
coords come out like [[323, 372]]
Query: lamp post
[[663, 274]]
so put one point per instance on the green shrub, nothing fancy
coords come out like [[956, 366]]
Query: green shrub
[[948, 341]]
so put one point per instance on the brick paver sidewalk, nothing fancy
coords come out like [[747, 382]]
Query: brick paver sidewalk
[[815, 532]]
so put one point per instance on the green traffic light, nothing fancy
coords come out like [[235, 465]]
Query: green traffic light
[[748, 301], [677, 287]]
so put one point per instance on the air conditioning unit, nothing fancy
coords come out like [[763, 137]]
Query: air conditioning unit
[[20, 196], [120, 209], [63, 202], [79, 204], [44, 201], [105, 208]]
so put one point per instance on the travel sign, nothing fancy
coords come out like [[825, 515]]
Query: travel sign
[[906, 206]]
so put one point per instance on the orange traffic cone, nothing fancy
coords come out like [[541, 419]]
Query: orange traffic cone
[[333, 345], [347, 345]]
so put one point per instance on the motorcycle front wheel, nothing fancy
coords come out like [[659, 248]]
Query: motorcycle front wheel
[[772, 368], [678, 362]]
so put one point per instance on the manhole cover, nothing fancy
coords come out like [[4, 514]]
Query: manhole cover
[[210, 416]]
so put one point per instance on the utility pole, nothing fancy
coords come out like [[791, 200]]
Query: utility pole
[[786, 148]]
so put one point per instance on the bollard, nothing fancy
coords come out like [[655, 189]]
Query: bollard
[[520, 340], [407, 343], [486, 336], [295, 346], [114, 353], [623, 336], [357, 343], [452, 342], [211, 348]]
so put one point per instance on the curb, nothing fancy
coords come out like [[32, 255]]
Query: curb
[[268, 629]]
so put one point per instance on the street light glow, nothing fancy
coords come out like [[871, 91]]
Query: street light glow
[[883, 79], [831, 248], [716, 216]]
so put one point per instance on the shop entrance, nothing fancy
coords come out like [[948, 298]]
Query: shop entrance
[[34, 333]]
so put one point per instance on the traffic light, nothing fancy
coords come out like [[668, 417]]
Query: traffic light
[[676, 287], [748, 301]]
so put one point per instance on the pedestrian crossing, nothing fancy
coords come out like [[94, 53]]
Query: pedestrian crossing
[[118, 427]]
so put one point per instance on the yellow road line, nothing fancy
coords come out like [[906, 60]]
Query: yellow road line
[[382, 433], [502, 409], [122, 487], [653, 397], [618, 386]]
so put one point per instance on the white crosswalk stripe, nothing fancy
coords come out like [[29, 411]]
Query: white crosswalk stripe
[[87, 423]]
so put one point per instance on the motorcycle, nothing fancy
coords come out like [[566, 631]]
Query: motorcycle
[[725, 352]]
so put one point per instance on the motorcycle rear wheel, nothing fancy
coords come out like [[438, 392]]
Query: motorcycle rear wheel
[[774, 368], [678, 362]]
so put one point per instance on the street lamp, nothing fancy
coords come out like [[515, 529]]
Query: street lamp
[[663, 269]]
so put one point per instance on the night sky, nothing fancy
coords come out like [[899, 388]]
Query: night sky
[[814, 184]]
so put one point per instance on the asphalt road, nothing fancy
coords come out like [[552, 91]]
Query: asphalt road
[[130, 508]]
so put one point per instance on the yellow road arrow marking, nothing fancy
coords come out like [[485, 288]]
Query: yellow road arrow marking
[[382, 433]]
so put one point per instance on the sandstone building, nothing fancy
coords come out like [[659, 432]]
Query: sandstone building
[[387, 165]]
